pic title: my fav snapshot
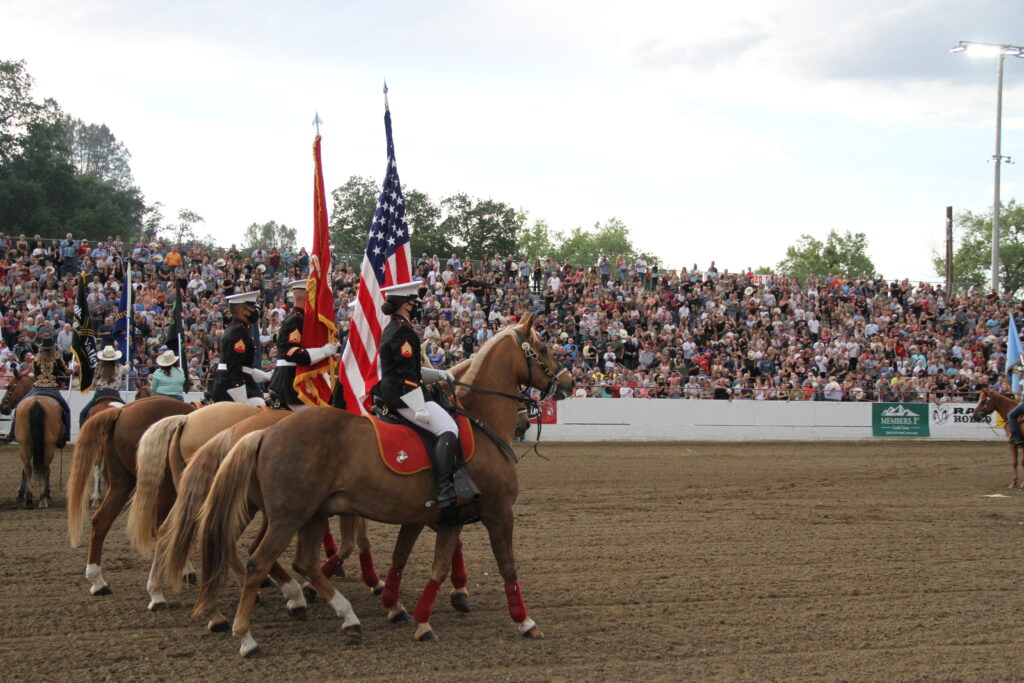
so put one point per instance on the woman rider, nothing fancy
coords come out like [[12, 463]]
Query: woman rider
[[49, 369], [400, 387], [169, 380], [106, 380]]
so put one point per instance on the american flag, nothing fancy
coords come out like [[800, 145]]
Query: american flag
[[387, 261]]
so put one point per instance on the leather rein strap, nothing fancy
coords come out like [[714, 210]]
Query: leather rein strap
[[533, 406]]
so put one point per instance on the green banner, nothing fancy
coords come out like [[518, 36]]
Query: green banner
[[899, 419]]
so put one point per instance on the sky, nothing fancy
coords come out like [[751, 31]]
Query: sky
[[714, 131]]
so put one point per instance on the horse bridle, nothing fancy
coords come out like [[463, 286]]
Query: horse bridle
[[532, 405]]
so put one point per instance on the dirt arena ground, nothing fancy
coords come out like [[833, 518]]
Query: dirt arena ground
[[880, 561]]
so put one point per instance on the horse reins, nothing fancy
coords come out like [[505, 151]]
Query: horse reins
[[533, 405]]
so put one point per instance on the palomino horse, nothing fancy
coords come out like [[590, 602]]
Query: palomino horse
[[302, 481], [989, 402], [110, 437]]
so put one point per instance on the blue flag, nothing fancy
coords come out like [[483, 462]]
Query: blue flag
[[121, 322], [1013, 358]]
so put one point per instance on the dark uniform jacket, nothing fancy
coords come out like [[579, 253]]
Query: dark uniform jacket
[[399, 362], [48, 372], [289, 350], [236, 352]]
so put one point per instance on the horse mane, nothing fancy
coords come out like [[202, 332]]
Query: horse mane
[[477, 361]]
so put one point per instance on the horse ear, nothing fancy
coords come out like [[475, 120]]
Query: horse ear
[[526, 325]]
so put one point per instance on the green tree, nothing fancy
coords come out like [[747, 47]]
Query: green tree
[[352, 214], [536, 241], [844, 254], [184, 230], [424, 219], [585, 247], [972, 256], [479, 227], [269, 235], [93, 150], [18, 110]]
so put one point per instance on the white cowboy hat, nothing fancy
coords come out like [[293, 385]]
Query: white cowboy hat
[[166, 359], [748, 291], [623, 333], [109, 353], [261, 268], [219, 263]]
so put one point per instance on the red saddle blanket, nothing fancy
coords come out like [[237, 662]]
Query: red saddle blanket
[[402, 450]]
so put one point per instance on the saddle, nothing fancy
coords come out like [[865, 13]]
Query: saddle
[[403, 447]]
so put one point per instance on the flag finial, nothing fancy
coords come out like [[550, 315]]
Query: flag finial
[[386, 95], [317, 121]]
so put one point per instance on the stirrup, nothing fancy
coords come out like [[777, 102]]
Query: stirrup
[[465, 488]]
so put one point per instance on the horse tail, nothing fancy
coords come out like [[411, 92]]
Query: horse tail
[[225, 513], [179, 530], [37, 435], [94, 442], [151, 458]]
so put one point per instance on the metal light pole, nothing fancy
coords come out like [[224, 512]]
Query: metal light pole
[[1000, 51]]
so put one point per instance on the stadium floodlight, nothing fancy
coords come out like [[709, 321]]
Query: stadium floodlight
[[974, 48]]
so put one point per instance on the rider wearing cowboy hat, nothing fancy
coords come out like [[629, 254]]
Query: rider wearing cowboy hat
[[291, 352], [106, 380], [49, 369], [169, 380], [401, 388], [236, 378]]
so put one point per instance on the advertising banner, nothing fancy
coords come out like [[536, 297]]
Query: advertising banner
[[899, 419]]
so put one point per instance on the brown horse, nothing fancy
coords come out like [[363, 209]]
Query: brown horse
[[12, 397], [302, 481], [989, 402], [111, 437], [38, 430]]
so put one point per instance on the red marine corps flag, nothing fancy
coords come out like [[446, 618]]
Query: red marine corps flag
[[313, 382]]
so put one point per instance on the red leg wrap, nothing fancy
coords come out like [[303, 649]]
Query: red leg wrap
[[426, 604], [367, 569], [516, 606], [330, 547], [389, 598], [459, 577], [330, 567]]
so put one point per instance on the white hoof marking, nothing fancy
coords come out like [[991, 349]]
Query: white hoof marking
[[526, 625], [343, 608], [94, 575], [292, 591], [248, 644]]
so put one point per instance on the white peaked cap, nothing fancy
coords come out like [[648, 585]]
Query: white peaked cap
[[243, 298]]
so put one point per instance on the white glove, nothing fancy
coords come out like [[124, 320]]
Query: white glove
[[317, 354], [432, 376], [414, 399], [260, 375]]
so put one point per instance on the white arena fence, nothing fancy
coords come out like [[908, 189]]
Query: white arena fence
[[634, 419]]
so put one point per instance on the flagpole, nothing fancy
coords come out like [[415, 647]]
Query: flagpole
[[128, 326]]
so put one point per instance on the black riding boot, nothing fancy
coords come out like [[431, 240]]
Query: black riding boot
[[443, 461]]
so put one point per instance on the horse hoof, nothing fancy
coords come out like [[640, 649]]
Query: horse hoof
[[354, 633], [460, 602], [220, 627], [310, 594], [105, 590], [267, 582], [427, 636], [191, 579], [399, 618], [297, 613], [378, 589], [250, 653], [157, 606], [533, 634]]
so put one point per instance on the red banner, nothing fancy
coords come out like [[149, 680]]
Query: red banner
[[313, 382]]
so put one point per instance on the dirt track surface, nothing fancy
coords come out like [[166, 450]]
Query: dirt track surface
[[639, 561]]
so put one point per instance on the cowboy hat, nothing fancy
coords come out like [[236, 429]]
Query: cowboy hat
[[109, 353], [220, 263], [166, 359]]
